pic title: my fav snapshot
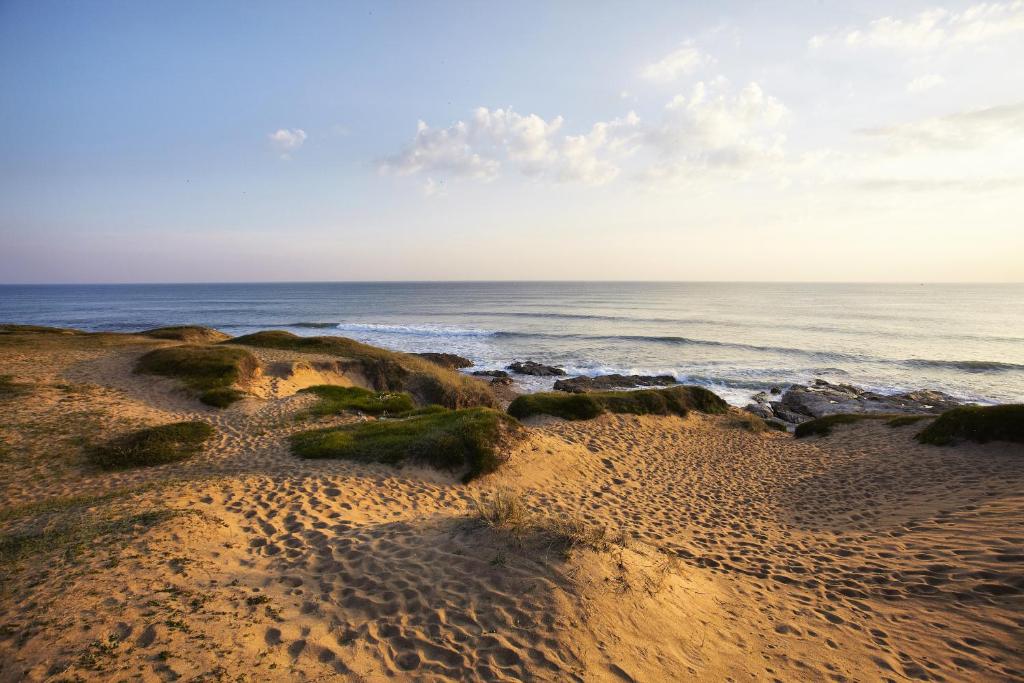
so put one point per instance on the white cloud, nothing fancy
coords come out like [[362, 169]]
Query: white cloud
[[287, 140], [479, 147], [925, 83], [933, 28], [680, 62], [963, 130], [714, 128]]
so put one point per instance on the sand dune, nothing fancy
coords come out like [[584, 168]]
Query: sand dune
[[861, 556]]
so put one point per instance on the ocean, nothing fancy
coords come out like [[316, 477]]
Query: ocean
[[735, 338]]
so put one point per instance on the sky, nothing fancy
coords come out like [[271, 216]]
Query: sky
[[761, 141]]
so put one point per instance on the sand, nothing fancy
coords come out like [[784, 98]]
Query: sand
[[860, 556]]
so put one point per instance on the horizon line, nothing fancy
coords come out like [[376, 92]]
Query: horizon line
[[508, 281]]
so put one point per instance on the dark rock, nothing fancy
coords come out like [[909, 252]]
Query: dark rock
[[579, 385], [505, 381], [776, 390], [446, 360], [538, 369], [801, 403], [490, 373], [762, 410]]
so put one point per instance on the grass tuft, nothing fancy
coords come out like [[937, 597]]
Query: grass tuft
[[152, 446], [976, 423], [209, 371], [471, 439], [386, 370], [678, 400], [503, 510], [335, 399]]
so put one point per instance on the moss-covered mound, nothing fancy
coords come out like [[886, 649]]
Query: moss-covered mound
[[209, 371], [822, 426], [471, 439], [335, 399], [386, 370], [677, 400], [976, 423], [152, 446], [193, 334]]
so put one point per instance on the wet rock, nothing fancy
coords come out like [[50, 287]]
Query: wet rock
[[579, 385], [446, 360], [505, 381], [490, 373], [529, 367]]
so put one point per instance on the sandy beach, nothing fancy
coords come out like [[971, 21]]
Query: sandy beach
[[725, 554]]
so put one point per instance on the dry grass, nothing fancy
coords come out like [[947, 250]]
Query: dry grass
[[505, 511]]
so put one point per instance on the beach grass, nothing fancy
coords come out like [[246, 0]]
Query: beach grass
[[335, 399], [678, 400], [152, 446], [386, 370], [469, 439], [976, 423], [208, 371]]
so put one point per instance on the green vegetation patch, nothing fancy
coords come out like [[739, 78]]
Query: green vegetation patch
[[678, 400], [556, 403], [152, 446], [209, 371], [386, 370], [470, 439], [335, 399], [822, 426], [976, 423], [187, 333]]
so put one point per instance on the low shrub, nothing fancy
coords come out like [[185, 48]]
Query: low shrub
[[822, 426], [221, 397], [676, 400], [976, 423], [152, 446], [505, 511], [469, 439], [193, 334], [335, 399], [556, 403], [209, 371], [386, 370]]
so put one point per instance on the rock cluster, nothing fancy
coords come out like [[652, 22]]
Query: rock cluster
[[800, 403], [497, 374], [530, 367], [579, 385]]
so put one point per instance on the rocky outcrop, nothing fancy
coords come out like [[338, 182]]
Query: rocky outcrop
[[490, 373], [529, 367], [505, 381], [580, 385], [800, 403], [446, 360]]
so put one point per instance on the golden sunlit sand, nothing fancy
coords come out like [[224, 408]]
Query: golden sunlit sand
[[689, 548]]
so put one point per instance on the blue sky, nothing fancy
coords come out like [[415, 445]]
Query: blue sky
[[749, 141]]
